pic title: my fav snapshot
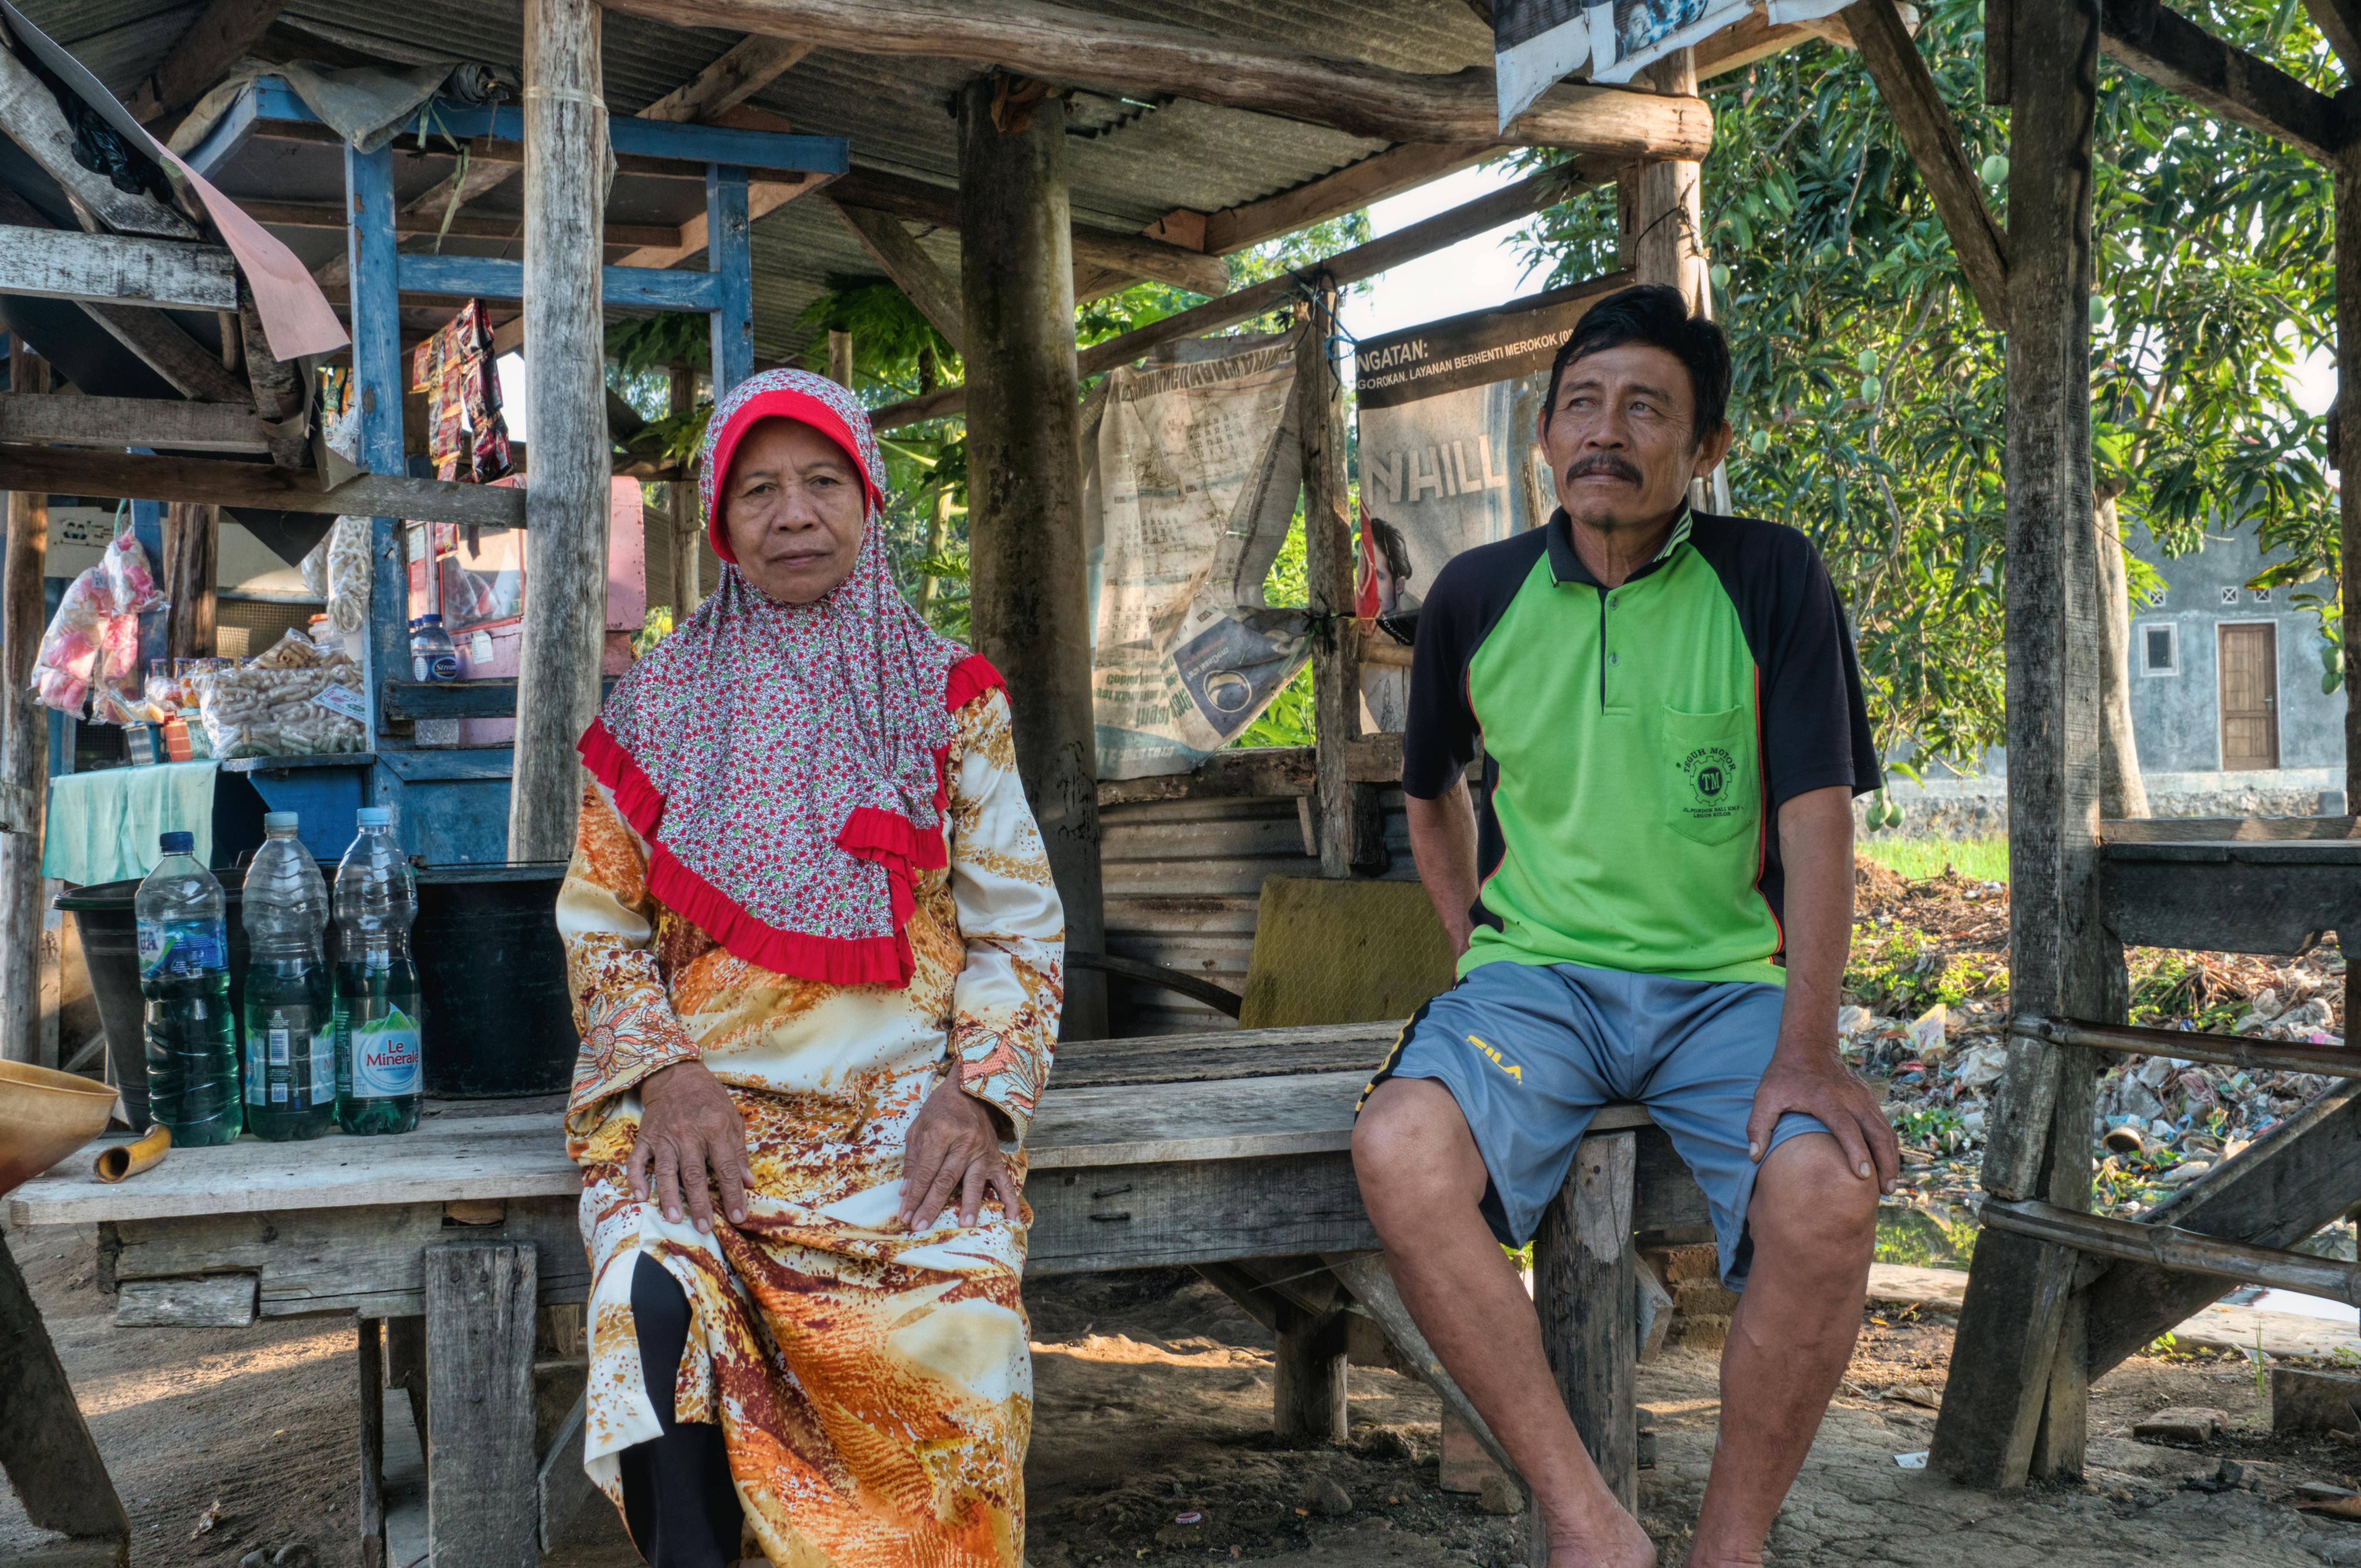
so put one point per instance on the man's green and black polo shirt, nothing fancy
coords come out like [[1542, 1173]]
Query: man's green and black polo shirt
[[1638, 741]]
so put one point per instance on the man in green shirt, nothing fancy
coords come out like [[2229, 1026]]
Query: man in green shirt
[[1652, 905]]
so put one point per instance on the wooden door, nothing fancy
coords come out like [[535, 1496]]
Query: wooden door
[[2250, 696]]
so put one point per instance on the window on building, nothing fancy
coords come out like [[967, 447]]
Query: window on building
[[2160, 649]]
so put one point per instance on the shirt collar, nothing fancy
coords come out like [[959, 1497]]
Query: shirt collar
[[1566, 563]]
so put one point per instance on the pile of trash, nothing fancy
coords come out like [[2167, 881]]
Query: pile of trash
[[1927, 1020]]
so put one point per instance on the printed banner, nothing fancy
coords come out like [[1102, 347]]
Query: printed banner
[[1627, 36], [1535, 43], [1189, 485], [1450, 452]]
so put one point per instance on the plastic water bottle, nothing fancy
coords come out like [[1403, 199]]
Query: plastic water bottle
[[378, 1069], [433, 657], [191, 1038], [291, 1035]]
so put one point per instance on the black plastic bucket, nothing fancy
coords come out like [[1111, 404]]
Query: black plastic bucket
[[497, 1021]]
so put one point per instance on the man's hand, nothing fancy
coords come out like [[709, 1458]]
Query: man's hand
[[691, 1137], [1818, 1083], [953, 1150]]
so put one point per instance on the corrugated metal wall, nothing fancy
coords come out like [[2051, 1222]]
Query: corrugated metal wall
[[1183, 879]]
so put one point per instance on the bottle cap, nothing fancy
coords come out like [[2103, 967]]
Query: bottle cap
[[374, 816], [274, 820], [178, 843], [430, 620]]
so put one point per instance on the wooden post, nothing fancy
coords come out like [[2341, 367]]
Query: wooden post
[[565, 496], [1328, 569], [370, 1364], [45, 1447], [1586, 1283], [2346, 432], [23, 745], [192, 546], [839, 358], [687, 528], [2011, 1328], [1308, 1377], [379, 372], [1663, 233], [1028, 592], [729, 253], [483, 1506]]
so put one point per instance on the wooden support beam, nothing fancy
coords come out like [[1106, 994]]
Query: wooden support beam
[[117, 422], [369, 1363], [1375, 178], [1308, 1376], [192, 548], [1584, 1286], [45, 1447], [1328, 569], [1535, 191], [2006, 1385], [1933, 138], [480, 1298], [764, 197], [1029, 595], [2298, 1176], [565, 504], [751, 64], [2224, 1051], [59, 264], [2175, 1250], [2345, 437], [421, 217], [687, 528], [24, 733], [911, 268], [218, 482], [2339, 22], [225, 32], [182, 360], [30, 118], [1064, 44], [2174, 52], [1372, 1285], [1134, 254]]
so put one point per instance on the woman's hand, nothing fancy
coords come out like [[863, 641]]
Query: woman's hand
[[954, 1149], [689, 1132]]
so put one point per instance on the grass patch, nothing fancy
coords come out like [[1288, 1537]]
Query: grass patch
[[1983, 860]]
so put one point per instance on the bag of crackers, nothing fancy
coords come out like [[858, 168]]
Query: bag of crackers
[[292, 701]]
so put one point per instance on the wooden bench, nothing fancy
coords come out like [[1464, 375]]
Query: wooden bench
[[1210, 1150]]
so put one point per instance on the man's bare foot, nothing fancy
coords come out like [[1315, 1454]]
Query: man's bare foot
[[1614, 1542], [1711, 1559]]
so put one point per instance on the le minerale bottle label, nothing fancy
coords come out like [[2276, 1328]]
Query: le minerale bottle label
[[385, 1057]]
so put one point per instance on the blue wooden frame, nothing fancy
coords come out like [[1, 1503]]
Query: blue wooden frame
[[450, 795]]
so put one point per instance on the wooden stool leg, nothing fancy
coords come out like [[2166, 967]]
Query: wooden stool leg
[[482, 1495], [45, 1447], [1584, 1285], [1308, 1384], [370, 1363]]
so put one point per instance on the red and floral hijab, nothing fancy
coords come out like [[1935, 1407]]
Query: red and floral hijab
[[785, 763]]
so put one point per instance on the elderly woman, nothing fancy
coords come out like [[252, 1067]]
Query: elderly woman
[[814, 949]]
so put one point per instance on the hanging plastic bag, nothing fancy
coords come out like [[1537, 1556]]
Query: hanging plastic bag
[[72, 649], [130, 584]]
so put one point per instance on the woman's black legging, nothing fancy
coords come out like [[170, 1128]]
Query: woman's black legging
[[677, 1495]]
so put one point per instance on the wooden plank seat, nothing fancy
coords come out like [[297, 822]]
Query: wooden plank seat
[[2230, 884], [1200, 1150]]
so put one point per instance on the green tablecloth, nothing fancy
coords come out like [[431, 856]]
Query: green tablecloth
[[103, 826]]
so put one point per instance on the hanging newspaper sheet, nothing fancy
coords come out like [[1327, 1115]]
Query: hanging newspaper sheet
[[1190, 484], [1627, 35], [1450, 451]]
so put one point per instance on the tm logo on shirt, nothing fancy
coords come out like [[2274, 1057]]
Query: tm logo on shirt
[[1512, 1068], [1711, 771]]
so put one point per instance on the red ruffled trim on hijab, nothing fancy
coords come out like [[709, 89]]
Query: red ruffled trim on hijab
[[883, 837]]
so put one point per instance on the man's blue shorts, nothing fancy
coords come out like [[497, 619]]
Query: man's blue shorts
[[1532, 1052]]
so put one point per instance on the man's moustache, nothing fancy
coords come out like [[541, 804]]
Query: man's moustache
[[1620, 470]]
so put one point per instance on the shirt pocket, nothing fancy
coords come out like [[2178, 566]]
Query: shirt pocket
[[1709, 775]]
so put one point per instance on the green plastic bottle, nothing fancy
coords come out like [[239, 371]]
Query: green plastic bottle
[[291, 1037], [191, 1038], [380, 1070]]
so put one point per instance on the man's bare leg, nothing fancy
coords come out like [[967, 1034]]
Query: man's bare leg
[[1423, 1181], [1815, 1227]]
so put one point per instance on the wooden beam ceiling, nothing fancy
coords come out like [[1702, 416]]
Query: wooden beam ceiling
[[466, 226], [30, 118], [2174, 52], [1136, 254], [751, 64], [1928, 131], [222, 34], [1383, 174], [935, 294], [1062, 44], [118, 422], [218, 481]]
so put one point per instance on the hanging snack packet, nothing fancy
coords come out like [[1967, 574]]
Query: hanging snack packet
[[130, 585]]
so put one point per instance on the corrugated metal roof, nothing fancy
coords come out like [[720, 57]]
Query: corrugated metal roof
[[1128, 163]]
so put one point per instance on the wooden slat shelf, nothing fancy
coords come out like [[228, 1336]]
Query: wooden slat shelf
[[2241, 895]]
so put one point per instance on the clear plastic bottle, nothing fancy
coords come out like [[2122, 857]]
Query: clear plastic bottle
[[432, 656], [378, 1068], [291, 1034], [191, 1038]]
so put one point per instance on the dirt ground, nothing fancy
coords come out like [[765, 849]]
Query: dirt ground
[[1154, 1402]]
